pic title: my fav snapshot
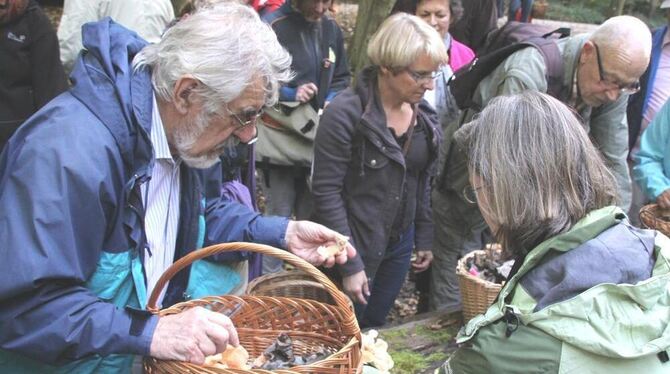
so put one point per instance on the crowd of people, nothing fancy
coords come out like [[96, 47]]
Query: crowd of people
[[153, 148]]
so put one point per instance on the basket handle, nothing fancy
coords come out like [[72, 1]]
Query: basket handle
[[338, 296], [646, 212]]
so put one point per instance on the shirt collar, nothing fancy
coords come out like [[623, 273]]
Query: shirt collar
[[158, 138]]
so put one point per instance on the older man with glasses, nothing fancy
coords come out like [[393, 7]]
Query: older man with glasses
[[114, 180], [600, 70]]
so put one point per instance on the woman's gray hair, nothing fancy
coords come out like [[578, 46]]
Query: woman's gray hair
[[225, 47], [539, 170], [400, 40]]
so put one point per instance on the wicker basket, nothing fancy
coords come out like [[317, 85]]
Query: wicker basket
[[652, 217], [260, 319], [290, 283], [476, 294]]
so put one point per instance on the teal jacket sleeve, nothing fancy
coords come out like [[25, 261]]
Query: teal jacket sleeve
[[652, 161]]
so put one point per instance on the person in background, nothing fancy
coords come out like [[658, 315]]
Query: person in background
[[652, 161], [316, 45], [600, 70], [588, 292], [30, 70], [374, 159], [643, 106], [111, 182], [148, 18], [440, 14], [520, 10], [264, 7], [479, 18]]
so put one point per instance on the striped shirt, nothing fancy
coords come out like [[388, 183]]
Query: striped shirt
[[161, 198]]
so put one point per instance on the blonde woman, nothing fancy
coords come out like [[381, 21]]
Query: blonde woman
[[374, 156], [588, 292]]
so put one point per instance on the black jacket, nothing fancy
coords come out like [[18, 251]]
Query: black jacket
[[31, 73], [359, 174], [303, 40]]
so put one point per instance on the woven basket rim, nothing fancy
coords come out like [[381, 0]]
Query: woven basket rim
[[341, 313], [461, 271]]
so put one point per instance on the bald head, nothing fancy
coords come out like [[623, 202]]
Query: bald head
[[624, 43]]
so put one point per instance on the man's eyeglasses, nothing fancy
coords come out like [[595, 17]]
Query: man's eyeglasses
[[624, 89], [424, 77], [245, 118]]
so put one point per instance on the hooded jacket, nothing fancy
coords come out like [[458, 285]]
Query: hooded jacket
[[72, 283], [595, 299]]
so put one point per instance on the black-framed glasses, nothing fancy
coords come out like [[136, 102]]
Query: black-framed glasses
[[246, 118], [470, 193], [624, 89], [421, 77]]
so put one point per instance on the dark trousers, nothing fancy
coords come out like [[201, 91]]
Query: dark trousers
[[388, 281]]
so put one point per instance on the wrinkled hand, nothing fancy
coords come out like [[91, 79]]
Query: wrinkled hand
[[303, 238], [422, 262], [192, 335], [306, 92], [664, 199], [356, 287]]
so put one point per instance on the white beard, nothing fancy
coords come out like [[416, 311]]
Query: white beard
[[186, 136]]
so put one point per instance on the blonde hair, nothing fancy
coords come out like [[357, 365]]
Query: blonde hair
[[400, 40], [540, 172]]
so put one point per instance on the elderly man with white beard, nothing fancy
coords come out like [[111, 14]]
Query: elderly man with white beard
[[114, 180]]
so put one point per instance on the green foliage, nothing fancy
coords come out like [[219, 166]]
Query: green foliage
[[576, 12], [408, 362], [439, 335]]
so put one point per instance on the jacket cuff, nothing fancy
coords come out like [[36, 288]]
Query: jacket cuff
[[270, 231], [352, 266], [142, 327], [287, 94]]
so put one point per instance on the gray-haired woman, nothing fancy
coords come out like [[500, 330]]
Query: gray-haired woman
[[588, 291], [374, 157]]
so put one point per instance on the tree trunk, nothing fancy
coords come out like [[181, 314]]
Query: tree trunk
[[616, 7], [653, 7], [371, 13]]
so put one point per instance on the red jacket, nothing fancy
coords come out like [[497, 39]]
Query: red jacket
[[266, 5]]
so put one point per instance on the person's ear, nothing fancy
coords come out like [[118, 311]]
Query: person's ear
[[183, 93], [588, 51]]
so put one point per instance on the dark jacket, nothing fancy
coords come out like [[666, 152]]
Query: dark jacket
[[30, 70], [480, 17], [72, 220], [637, 103], [359, 174], [303, 40]]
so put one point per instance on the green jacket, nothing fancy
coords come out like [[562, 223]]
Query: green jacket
[[595, 299], [525, 70]]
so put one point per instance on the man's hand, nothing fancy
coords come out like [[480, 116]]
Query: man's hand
[[356, 286], [664, 199], [306, 92], [192, 335], [422, 262], [303, 238]]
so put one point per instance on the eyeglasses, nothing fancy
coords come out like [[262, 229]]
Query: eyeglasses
[[624, 89], [470, 193], [245, 118], [423, 77]]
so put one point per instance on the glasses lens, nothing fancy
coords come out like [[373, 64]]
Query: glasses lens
[[469, 194]]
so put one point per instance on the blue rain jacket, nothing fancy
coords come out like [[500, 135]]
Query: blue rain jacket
[[72, 240]]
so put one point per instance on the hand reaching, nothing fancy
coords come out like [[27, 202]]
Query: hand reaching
[[192, 335], [303, 239]]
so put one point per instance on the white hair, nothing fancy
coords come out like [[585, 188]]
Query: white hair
[[225, 47]]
